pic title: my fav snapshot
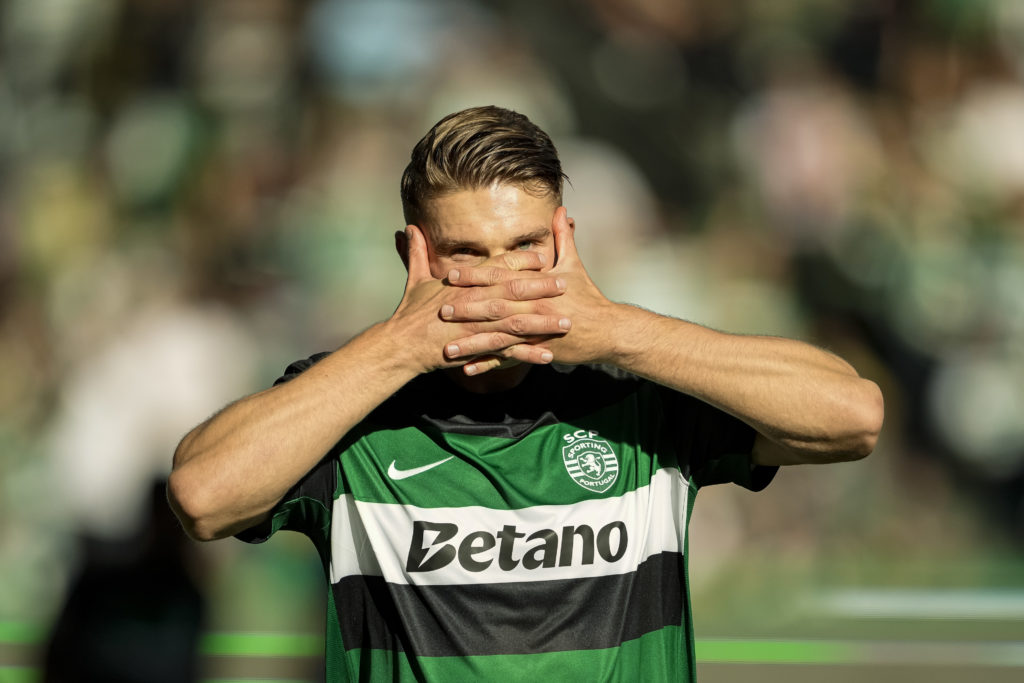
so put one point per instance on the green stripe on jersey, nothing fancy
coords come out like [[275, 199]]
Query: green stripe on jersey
[[646, 658]]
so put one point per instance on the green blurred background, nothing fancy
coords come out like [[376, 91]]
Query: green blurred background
[[193, 194]]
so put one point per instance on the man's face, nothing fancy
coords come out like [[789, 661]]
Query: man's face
[[468, 227]]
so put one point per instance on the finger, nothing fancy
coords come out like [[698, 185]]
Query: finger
[[479, 366], [487, 276], [517, 317], [482, 364], [416, 255], [526, 353], [492, 272], [518, 260], [491, 342], [523, 325], [563, 229], [520, 289]]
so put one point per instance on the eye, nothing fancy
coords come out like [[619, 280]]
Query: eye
[[524, 245], [462, 251]]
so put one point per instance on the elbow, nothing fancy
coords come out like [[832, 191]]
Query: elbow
[[206, 497], [856, 425], [848, 431], [188, 499], [867, 416], [184, 502]]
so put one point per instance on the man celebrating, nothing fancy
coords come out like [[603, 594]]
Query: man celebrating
[[498, 478]]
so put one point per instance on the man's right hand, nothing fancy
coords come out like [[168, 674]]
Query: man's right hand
[[516, 295]]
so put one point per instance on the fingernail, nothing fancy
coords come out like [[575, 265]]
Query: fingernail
[[543, 259], [547, 356], [560, 284], [453, 276], [447, 310], [452, 350], [565, 323], [471, 369]]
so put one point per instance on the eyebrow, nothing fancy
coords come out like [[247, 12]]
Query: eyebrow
[[448, 245]]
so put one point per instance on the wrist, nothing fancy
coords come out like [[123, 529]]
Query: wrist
[[408, 343], [628, 336], [400, 344]]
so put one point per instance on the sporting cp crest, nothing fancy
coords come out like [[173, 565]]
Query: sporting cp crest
[[590, 461]]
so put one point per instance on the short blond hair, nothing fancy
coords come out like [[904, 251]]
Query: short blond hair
[[475, 148]]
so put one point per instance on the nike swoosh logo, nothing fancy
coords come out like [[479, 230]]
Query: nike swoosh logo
[[397, 474]]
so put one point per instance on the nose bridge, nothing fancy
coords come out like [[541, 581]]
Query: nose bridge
[[496, 244]]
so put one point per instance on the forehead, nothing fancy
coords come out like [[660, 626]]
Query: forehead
[[489, 212]]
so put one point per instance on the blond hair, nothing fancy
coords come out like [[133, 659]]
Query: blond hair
[[475, 148]]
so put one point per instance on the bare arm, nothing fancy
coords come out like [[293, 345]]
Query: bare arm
[[806, 404], [230, 471]]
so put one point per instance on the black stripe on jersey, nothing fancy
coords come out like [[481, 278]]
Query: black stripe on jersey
[[511, 618], [548, 395]]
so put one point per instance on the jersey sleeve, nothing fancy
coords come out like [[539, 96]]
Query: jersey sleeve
[[306, 507], [718, 445]]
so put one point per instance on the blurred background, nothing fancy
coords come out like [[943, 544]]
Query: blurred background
[[193, 194]]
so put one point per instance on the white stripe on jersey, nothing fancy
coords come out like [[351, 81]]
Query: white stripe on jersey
[[375, 539]]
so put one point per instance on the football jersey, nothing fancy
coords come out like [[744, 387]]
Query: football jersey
[[538, 533]]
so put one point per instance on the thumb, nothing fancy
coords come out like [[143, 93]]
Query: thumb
[[416, 255], [563, 228]]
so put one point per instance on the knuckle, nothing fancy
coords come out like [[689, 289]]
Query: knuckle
[[517, 325], [496, 308], [493, 275], [525, 260], [517, 260], [513, 260], [497, 341], [518, 289]]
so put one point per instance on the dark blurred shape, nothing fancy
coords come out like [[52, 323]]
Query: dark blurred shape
[[856, 48], [134, 613]]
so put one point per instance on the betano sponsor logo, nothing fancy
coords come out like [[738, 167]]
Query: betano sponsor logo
[[476, 551], [549, 542]]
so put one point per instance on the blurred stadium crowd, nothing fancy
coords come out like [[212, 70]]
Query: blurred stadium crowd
[[193, 194]]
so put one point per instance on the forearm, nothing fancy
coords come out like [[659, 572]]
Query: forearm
[[806, 404], [809, 404], [232, 469]]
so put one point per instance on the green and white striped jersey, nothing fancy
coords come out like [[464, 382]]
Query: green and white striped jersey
[[534, 534]]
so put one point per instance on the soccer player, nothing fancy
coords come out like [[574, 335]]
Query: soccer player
[[498, 477]]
